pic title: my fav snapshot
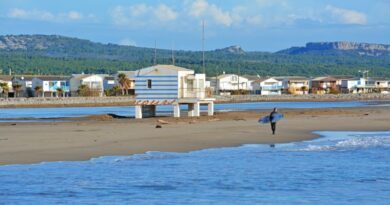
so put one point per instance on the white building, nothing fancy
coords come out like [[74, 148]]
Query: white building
[[51, 84], [170, 85], [92, 81], [229, 83], [267, 86], [365, 85]]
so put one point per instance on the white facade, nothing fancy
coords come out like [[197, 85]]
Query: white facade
[[51, 84], [94, 82], [227, 83], [365, 85], [268, 86], [169, 85]]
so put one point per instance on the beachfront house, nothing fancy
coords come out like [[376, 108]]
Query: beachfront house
[[365, 85], [324, 85], [86, 85], [51, 86], [6, 90], [267, 86], [109, 82], [227, 84], [296, 85], [170, 85], [23, 86]]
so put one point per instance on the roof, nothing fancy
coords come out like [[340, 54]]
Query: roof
[[291, 78], [161, 69], [259, 80], [23, 78], [324, 78], [109, 78], [5, 77], [53, 78], [82, 76]]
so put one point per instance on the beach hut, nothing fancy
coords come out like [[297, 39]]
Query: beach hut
[[170, 85]]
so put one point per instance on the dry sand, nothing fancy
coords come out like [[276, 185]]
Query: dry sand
[[95, 136]]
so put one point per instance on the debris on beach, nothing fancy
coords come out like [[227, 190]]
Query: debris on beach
[[162, 122]]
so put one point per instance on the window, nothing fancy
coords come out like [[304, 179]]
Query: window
[[149, 83]]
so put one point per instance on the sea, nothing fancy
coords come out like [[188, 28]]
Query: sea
[[337, 168], [44, 114]]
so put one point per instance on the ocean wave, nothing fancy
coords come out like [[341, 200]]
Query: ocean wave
[[357, 142]]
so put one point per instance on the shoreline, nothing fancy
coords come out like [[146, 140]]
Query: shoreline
[[102, 135], [129, 101]]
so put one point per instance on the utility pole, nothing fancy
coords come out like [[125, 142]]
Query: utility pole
[[173, 54], [155, 52], [203, 63]]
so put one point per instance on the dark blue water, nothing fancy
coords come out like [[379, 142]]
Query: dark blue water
[[163, 110], [340, 168]]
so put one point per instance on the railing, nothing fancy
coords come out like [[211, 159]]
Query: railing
[[193, 93], [271, 87]]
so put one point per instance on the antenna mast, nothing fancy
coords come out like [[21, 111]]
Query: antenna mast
[[204, 70], [155, 52], [173, 53]]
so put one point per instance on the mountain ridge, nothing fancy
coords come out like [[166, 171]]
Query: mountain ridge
[[55, 54]]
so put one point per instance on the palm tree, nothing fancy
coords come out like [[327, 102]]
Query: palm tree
[[17, 88], [38, 89], [59, 92], [4, 89], [124, 82]]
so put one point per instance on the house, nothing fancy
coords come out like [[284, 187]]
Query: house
[[297, 85], [227, 84], [170, 85], [267, 86], [25, 88], [324, 85], [365, 85], [51, 85], [8, 91], [93, 82], [109, 82]]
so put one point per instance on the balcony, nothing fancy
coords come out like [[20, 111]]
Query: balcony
[[271, 87], [192, 93]]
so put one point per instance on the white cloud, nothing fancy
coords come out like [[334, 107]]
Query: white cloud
[[127, 42], [74, 15], [45, 15], [141, 14], [165, 13], [138, 10], [347, 16], [202, 9]]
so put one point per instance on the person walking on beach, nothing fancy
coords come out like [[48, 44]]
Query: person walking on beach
[[271, 119]]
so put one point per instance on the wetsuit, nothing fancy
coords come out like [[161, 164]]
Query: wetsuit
[[273, 124]]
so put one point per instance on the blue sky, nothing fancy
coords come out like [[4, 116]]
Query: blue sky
[[261, 25]]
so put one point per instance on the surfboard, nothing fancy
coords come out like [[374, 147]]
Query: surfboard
[[266, 119]]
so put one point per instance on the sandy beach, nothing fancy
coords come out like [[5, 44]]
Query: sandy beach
[[94, 136]]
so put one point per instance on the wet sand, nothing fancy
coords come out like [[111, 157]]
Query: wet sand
[[94, 136]]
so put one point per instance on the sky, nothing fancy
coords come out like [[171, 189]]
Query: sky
[[255, 25]]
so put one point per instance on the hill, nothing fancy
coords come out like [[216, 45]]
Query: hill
[[341, 48], [53, 54]]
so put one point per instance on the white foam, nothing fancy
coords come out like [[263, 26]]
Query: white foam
[[354, 142]]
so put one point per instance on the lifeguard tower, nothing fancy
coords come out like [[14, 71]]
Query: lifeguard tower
[[170, 85]]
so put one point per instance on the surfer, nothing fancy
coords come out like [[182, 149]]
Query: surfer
[[271, 119]]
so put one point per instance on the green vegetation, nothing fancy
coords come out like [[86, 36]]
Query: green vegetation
[[62, 55]]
